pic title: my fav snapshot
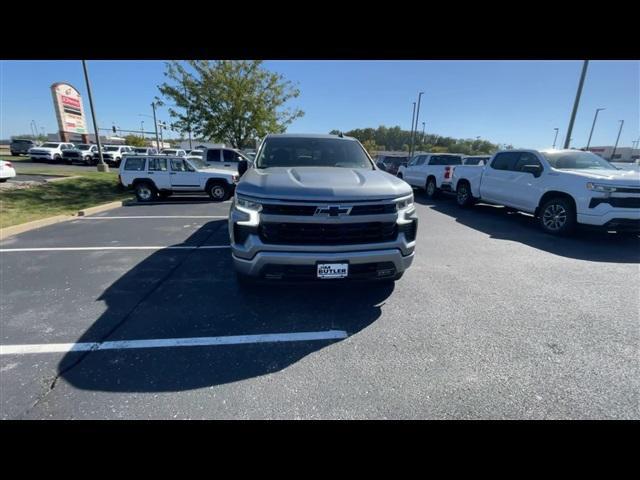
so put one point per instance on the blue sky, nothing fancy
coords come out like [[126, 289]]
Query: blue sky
[[517, 102]]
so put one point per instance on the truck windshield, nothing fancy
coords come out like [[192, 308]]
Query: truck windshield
[[312, 152], [111, 149], [577, 160], [83, 146]]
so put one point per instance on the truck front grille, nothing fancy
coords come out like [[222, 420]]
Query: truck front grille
[[616, 202], [310, 210], [327, 233]]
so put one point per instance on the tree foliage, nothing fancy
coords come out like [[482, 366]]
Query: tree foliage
[[394, 138], [228, 101], [135, 141]]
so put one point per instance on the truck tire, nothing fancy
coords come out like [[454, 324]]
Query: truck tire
[[558, 216], [56, 158], [430, 188], [464, 199], [145, 192], [218, 190]]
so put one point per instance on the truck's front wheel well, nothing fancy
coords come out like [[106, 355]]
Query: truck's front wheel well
[[554, 194], [137, 181]]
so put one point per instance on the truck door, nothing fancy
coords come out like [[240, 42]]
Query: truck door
[[412, 172], [526, 182], [497, 185]]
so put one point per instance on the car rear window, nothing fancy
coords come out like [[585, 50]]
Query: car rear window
[[445, 160], [134, 164]]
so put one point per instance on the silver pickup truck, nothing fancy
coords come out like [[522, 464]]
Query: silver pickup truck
[[316, 207]]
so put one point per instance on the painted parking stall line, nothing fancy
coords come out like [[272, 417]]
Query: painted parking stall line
[[138, 217], [79, 249], [173, 342]]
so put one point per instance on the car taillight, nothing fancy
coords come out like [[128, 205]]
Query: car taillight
[[447, 172], [9, 164]]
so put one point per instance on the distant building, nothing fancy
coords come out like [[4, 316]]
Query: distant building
[[623, 154]]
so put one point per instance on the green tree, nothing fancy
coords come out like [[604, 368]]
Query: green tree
[[228, 101], [135, 141]]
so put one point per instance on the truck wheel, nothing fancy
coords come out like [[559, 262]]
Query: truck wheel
[[218, 191], [88, 161], [558, 216], [145, 192], [463, 195], [56, 158], [431, 189]]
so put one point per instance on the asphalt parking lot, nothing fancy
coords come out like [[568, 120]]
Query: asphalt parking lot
[[495, 320]]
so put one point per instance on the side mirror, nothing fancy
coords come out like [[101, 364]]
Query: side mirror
[[243, 165], [535, 170]]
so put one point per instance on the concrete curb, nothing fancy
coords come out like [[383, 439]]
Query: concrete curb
[[43, 222]]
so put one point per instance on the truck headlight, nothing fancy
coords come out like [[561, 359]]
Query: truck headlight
[[405, 202], [598, 187], [243, 203]]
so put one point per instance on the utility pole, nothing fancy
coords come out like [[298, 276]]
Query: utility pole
[[413, 134], [567, 140], [617, 139], [102, 167], [593, 126], [153, 105], [555, 138]]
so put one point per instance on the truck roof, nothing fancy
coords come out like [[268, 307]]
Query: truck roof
[[307, 135]]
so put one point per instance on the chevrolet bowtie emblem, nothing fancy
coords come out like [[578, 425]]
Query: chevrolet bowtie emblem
[[333, 210]]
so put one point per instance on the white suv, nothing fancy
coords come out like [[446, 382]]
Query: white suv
[[49, 151], [154, 176]]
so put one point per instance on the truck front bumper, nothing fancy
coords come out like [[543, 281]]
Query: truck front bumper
[[613, 219], [363, 265]]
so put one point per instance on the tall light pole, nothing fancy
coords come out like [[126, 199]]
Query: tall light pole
[[567, 139], [413, 120], [422, 132], [617, 139], [413, 134], [141, 128], [102, 167], [555, 138], [595, 117], [155, 122]]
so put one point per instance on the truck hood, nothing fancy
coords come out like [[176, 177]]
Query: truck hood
[[321, 183], [626, 177], [42, 150]]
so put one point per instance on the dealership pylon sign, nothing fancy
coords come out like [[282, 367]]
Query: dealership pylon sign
[[67, 103]]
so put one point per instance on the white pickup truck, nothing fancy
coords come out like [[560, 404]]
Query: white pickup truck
[[561, 188], [49, 151], [430, 171], [155, 176]]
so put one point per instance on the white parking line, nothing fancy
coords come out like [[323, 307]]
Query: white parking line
[[153, 216], [73, 249], [173, 342]]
